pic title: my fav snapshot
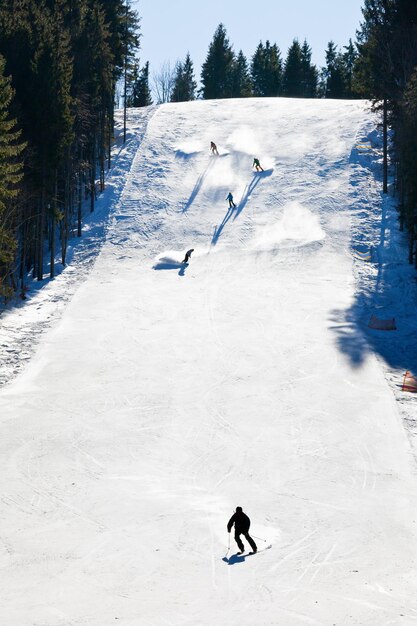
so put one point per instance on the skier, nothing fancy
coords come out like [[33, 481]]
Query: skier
[[257, 165], [187, 255], [242, 524], [213, 148], [231, 203]]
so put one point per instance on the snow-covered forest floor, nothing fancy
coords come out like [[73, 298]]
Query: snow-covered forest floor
[[144, 399]]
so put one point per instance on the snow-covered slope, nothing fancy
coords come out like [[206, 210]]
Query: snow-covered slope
[[167, 395]]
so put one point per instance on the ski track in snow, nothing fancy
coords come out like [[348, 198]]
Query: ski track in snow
[[162, 395]]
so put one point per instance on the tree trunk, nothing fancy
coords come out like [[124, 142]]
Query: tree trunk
[[79, 202], [93, 174], [110, 129], [102, 149], [40, 233], [410, 247], [385, 147], [415, 249], [52, 272], [53, 226]]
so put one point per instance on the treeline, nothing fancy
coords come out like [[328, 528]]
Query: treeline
[[387, 73], [60, 62], [226, 74]]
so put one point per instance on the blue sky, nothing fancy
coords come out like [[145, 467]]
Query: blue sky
[[170, 28]]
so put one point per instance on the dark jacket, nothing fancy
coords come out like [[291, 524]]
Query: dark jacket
[[241, 522]]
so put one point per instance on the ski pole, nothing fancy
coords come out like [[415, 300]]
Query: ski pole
[[260, 538], [228, 549]]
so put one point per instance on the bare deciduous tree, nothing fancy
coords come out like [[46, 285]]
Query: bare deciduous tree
[[163, 82]]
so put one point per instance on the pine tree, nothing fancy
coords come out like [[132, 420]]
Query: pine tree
[[349, 58], [177, 94], [374, 66], [266, 70], [190, 84], [123, 24], [10, 175], [241, 80], [309, 74], [141, 94], [293, 71], [333, 73], [216, 73], [184, 84]]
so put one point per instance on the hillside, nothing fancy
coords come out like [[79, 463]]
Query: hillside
[[162, 395]]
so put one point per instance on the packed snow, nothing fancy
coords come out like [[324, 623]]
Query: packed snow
[[158, 396]]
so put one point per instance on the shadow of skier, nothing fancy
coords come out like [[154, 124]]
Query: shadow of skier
[[218, 230], [249, 189], [235, 558], [197, 186]]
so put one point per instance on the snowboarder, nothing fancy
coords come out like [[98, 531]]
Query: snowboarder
[[257, 165], [188, 255], [242, 524], [231, 203], [213, 148]]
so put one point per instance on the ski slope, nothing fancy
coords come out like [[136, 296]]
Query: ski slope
[[164, 395]]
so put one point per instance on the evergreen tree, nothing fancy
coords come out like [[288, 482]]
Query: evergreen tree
[[266, 70], [177, 94], [258, 71], [374, 67], [309, 74], [293, 71], [184, 82], [141, 94], [241, 80], [349, 58], [190, 84], [10, 175], [217, 69], [123, 25], [333, 74]]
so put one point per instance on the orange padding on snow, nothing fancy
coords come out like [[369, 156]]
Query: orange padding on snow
[[409, 383], [378, 324], [363, 256]]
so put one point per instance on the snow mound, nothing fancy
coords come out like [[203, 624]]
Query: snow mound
[[297, 227], [188, 149]]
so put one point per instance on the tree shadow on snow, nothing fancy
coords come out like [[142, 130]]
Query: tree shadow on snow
[[167, 263], [385, 284]]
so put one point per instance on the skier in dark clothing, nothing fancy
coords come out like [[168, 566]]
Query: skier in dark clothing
[[257, 165], [213, 148], [187, 255], [231, 203], [242, 524]]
